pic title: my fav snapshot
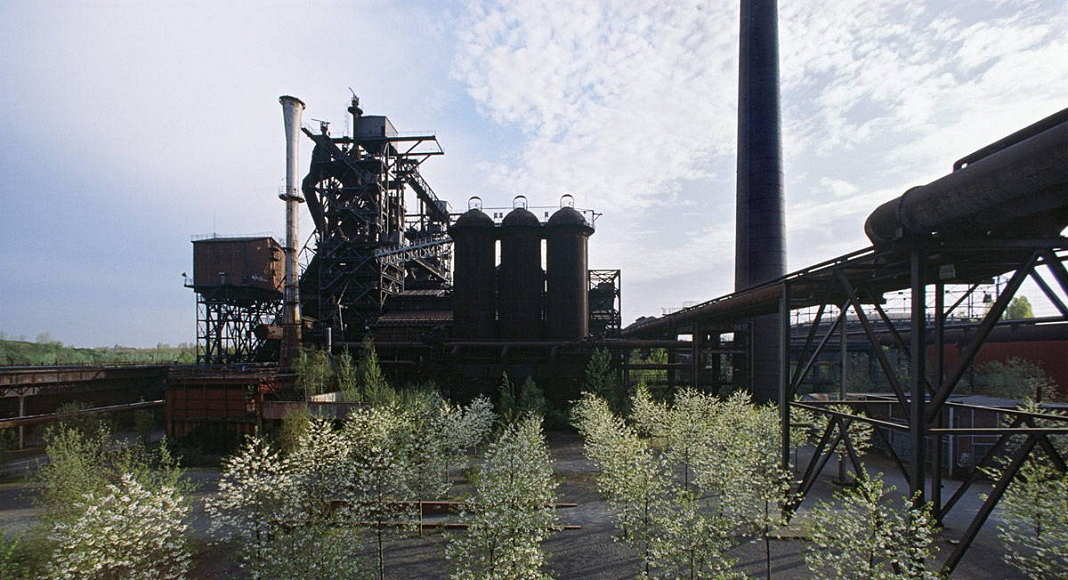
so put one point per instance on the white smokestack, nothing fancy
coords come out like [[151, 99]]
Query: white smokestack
[[292, 109]]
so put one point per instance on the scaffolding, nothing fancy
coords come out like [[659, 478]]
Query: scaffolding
[[227, 324], [606, 316]]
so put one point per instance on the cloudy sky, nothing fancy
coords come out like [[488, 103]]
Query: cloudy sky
[[128, 127]]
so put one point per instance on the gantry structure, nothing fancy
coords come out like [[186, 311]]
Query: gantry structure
[[999, 213]]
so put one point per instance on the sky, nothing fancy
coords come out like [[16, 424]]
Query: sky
[[129, 127]]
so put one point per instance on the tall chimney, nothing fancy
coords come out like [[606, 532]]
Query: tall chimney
[[292, 108], [760, 252]]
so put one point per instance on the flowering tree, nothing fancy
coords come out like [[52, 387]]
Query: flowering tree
[[1034, 511], [281, 509], [460, 429], [648, 416], [380, 495], [635, 480], [862, 536], [692, 543], [254, 503], [512, 510], [316, 551], [128, 531]]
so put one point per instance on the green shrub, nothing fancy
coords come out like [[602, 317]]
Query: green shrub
[[11, 563], [1016, 378], [144, 422], [294, 425]]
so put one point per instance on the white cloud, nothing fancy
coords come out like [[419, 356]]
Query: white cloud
[[837, 187], [632, 106]]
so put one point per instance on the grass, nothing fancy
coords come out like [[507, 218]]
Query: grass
[[19, 352]]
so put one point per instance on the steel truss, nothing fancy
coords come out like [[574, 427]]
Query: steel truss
[[226, 324], [368, 247], [606, 317], [859, 280]]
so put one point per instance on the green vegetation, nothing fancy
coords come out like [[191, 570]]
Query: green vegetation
[[369, 375], [600, 379], [692, 479], [1019, 309], [112, 509], [49, 352], [309, 511], [1016, 378], [1034, 510], [862, 535], [515, 403], [18, 559]]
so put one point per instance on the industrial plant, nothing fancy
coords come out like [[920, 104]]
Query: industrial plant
[[470, 294]]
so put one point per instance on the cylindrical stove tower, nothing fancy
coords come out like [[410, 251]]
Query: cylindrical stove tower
[[522, 282], [474, 274], [567, 307], [760, 247]]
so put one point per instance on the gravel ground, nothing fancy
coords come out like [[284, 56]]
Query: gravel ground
[[587, 553]]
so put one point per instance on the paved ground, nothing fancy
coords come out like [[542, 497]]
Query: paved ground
[[587, 553]]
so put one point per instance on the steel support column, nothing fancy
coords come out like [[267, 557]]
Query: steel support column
[[844, 372], [917, 373], [784, 374], [698, 343], [940, 367]]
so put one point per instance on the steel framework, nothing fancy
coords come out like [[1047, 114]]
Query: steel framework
[[368, 247], [606, 317], [922, 396], [226, 324]]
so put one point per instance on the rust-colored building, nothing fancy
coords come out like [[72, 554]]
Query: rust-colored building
[[252, 263]]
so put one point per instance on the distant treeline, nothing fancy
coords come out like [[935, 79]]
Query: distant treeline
[[18, 352]]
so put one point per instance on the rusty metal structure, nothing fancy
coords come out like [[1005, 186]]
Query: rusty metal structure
[[605, 302], [238, 283], [30, 395], [999, 213], [379, 227]]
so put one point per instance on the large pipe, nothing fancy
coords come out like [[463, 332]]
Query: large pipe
[[760, 248], [1022, 186], [292, 109]]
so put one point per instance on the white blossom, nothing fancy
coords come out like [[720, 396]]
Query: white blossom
[[512, 510], [128, 531]]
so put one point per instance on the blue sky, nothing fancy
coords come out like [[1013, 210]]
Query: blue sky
[[128, 127]]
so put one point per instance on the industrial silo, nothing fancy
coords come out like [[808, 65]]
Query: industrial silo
[[567, 299], [474, 275], [522, 281]]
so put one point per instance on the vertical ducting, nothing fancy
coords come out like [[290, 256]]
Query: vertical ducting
[[760, 251], [567, 307], [474, 242], [522, 281], [292, 109]]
